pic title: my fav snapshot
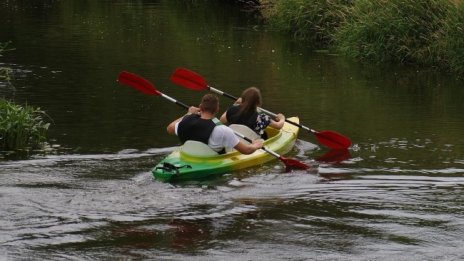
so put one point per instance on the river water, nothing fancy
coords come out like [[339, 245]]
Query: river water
[[397, 195]]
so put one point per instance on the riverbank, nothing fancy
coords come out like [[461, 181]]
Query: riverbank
[[425, 33], [22, 127]]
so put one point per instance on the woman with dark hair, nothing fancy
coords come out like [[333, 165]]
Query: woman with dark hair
[[245, 112]]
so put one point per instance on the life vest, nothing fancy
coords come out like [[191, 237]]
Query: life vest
[[192, 127]]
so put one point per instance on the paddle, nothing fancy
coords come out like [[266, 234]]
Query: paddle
[[144, 86], [194, 81]]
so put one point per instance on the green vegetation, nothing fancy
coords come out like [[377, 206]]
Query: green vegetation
[[4, 71], [455, 40], [427, 32], [21, 127], [311, 20], [394, 30]]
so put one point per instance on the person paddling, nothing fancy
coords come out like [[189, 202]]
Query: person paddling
[[198, 124], [245, 112]]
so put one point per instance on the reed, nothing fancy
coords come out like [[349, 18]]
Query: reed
[[314, 21], [21, 127], [406, 31], [455, 40]]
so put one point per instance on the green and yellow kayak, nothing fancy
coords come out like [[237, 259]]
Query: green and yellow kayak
[[195, 160]]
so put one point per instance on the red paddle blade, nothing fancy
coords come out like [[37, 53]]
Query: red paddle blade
[[138, 83], [333, 139], [335, 156], [293, 164], [189, 79]]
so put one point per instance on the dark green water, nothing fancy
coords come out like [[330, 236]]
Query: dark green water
[[398, 197]]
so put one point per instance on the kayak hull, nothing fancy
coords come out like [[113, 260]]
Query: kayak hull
[[179, 166]]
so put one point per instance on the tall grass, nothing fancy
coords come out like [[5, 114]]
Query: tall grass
[[310, 20], [425, 32], [395, 30], [455, 40], [21, 127]]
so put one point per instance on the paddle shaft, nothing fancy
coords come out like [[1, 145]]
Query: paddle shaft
[[181, 104]]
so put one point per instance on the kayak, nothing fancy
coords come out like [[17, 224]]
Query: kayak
[[195, 160]]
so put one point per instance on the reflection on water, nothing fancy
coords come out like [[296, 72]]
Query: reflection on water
[[396, 194], [108, 204]]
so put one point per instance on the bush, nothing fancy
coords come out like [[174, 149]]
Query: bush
[[395, 30], [21, 127], [455, 40], [310, 20]]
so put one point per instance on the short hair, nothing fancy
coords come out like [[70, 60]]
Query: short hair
[[209, 103]]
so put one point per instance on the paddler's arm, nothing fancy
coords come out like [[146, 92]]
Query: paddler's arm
[[278, 122], [171, 129], [245, 148], [230, 140], [223, 118]]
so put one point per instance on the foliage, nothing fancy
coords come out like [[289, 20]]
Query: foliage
[[4, 71], [395, 30], [21, 127], [310, 20], [455, 40]]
